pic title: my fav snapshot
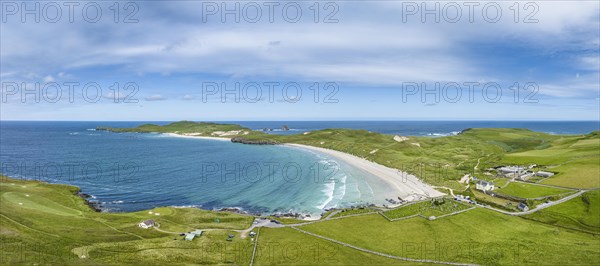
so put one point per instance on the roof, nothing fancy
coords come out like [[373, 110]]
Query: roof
[[511, 168], [484, 183], [189, 236], [149, 222], [197, 232], [544, 173]]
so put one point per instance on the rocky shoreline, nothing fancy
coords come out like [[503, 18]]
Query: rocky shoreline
[[254, 142], [237, 210], [92, 204]]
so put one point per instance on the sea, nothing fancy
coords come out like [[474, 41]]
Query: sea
[[134, 171]]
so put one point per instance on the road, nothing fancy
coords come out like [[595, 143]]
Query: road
[[539, 207]]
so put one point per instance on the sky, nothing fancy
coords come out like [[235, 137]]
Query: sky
[[300, 60]]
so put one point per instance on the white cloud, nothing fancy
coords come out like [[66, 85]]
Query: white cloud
[[48, 79], [369, 46], [117, 97], [155, 97]]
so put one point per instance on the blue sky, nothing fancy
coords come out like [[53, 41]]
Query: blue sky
[[363, 65]]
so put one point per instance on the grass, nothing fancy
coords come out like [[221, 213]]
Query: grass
[[180, 127], [575, 159], [579, 173], [286, 246], [581, 213], [426, 209], [524, 190], [353, 211], [495, 201], [287, 220], [48, 224], [478, 236]]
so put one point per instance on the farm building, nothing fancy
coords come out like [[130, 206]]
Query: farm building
[[544, 174], [147, 224], [484, 185], [510, 171], [525, 176], [190, 236]]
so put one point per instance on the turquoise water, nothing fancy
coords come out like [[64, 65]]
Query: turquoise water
[[130, 171]]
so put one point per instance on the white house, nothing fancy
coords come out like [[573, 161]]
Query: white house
[[146, 224], [484, 185], [523, 207]]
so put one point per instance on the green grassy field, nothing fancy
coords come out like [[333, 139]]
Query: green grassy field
[[286, 246], [575, 159], [180, 127], [578, 173], [477, 236], [581, 213], [353, 211], [48, 224], [524, 190], [426, 209], [506, 204]]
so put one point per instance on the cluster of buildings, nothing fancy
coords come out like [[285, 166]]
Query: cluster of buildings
[[521, 172], [484, 185], [513, 172], [147, 224]]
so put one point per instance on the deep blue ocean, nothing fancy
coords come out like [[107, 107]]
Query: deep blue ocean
[[131, 171], [424, 128]]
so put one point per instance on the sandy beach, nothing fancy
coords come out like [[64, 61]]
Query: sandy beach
[[196, 137], [406, 186], [403, 185]]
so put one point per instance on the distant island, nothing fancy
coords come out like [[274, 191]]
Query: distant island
[[512, 197], [438, 161]]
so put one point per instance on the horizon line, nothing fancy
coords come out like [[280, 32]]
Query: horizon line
[[277, 120]]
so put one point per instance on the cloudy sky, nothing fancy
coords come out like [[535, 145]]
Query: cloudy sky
[[304, 60]]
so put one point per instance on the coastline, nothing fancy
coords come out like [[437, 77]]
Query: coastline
[[196, 137], [403, 185], [95, 206], [406, 186]]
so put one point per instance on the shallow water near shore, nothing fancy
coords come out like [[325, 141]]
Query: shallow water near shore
[[132, 171]]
